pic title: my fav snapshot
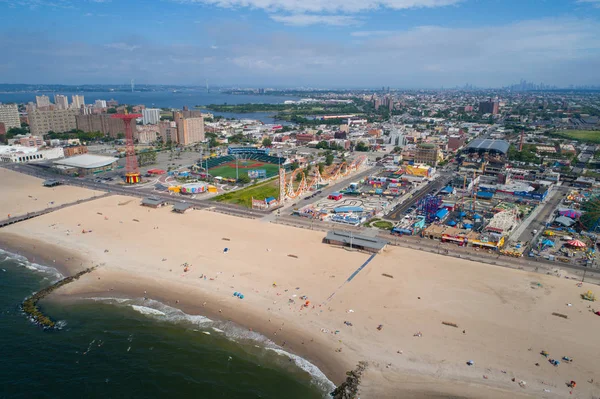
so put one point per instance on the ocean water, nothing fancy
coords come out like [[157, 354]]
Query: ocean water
[[131, 348], [166, 99]]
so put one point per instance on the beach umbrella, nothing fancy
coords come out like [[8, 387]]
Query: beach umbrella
[[576, 243], [548, 243]]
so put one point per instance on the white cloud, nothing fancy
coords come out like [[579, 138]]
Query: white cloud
[[368, 33], [308, 19], [122, 46], [554, 51], [319, 6]]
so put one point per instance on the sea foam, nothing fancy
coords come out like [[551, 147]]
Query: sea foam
[[316, 374], [159, 311], [22, 261], [147, 311]]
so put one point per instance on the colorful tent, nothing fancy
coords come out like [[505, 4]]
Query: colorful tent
[[548, 243], [576, 243]]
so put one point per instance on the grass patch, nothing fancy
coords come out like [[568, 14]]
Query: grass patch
[[228, 170], [590, 136], [380, 224], [244, 197]]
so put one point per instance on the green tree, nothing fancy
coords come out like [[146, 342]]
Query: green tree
[[146, 158], [321, 167], [213, 143], [111, 111], [244, 179], [299, 176], [323, 145], [328, 158], [13, 131], [295, 165], [120, 136], [267, 142], [397, 150], [360, 146]]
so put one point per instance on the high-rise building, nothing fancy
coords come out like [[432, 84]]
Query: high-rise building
[[42, 101], [397, 138], [9, 115], [100, 104], [168, 131], [78, 101], [61, 102], [489, 107], [427, 153], [192, 114], [59, 120], [150, 116], [189, 130], [102, 123]]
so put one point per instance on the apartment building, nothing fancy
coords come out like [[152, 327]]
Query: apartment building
[[9, 115], [58, 120], [61, 102], [146, 134], [42, 101], [102, 123], [150, 116], [78, 102], [189, 130], [168, 131]]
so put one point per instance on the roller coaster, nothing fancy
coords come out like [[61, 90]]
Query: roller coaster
[[312, 178]]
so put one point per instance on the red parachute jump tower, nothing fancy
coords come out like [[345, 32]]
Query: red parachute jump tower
[[132, 175]]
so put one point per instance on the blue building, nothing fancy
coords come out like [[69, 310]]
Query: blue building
[[247, 150]]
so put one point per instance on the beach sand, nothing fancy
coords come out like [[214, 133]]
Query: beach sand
[[505, 315], [22, 194]]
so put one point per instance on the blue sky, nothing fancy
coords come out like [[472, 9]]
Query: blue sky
[[317, 43]]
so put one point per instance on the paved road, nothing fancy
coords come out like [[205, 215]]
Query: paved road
[[398, 212], [539, 221]]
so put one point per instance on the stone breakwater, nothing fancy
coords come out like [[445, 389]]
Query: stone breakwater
[[31, 309]]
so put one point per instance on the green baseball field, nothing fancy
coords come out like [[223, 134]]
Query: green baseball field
[[227, 170]]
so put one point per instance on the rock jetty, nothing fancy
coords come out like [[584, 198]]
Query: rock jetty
[[30, 307]]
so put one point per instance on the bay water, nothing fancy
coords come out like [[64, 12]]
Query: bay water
[[168, 99]]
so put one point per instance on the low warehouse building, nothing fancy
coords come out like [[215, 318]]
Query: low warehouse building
[[85, 164]]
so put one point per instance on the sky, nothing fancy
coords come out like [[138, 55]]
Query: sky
[[301, 43]]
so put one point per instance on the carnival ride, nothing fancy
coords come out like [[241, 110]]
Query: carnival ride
[[428, 207], [312, 178]]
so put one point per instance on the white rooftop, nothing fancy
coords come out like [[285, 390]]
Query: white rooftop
[[13, 149], [87, 161]]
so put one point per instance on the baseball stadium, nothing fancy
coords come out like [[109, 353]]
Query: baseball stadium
[[256, 163]]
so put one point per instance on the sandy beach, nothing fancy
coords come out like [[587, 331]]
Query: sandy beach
[[504, 317], [22, 194]]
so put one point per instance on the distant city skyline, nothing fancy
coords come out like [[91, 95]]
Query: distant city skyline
[[286, 43]]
